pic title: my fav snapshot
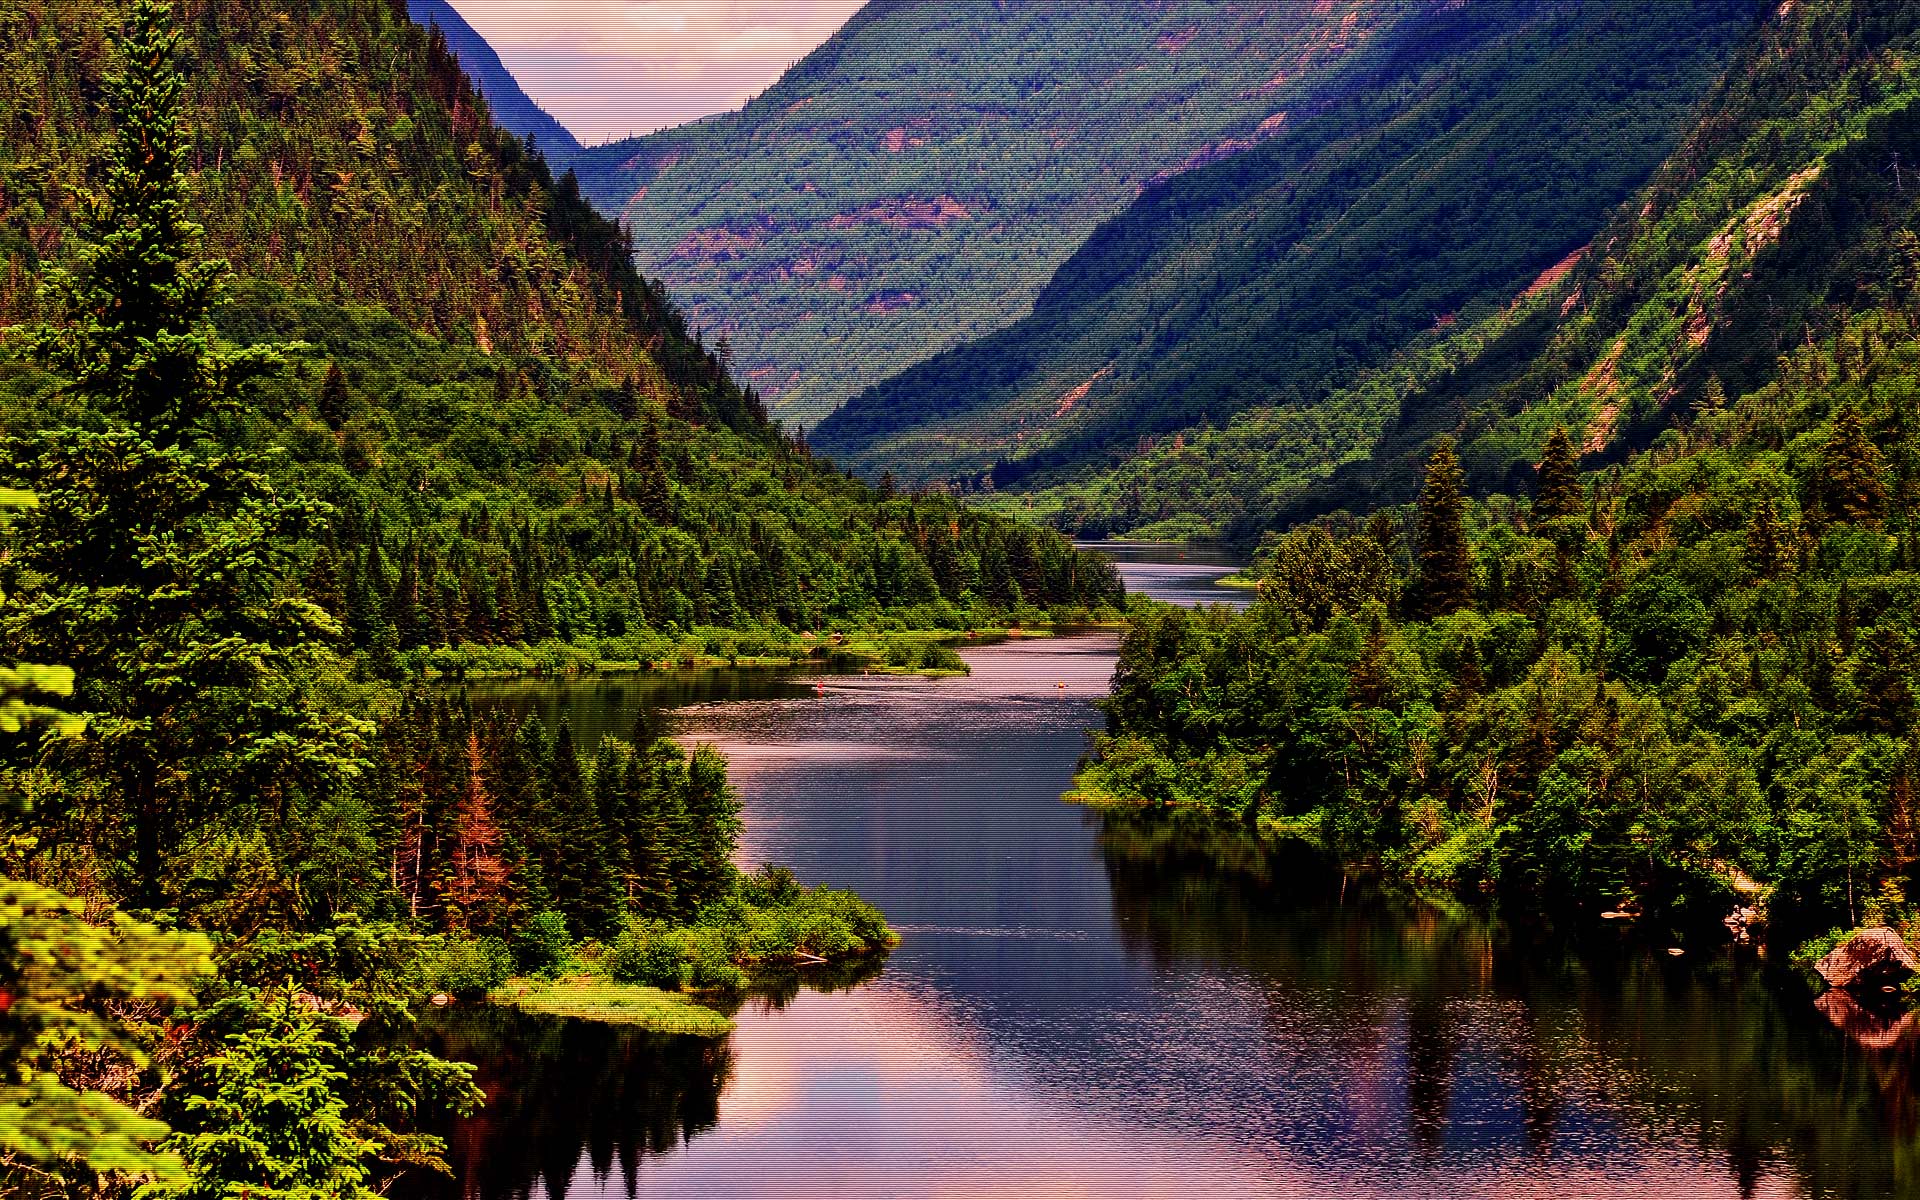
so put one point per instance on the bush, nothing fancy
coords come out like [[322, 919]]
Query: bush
[[468, 969], [647, 952], [542, 945]]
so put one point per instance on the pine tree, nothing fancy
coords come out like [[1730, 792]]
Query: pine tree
[[1446, 571], [1557, 492], [333, 397], [162, 558], [655, 495], [1850, 487]]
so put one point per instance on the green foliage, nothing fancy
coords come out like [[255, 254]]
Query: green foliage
[[62, 980], [767, 919], [1701, 679], [469, 968], [153, 565], [825, 231], [542, 946]]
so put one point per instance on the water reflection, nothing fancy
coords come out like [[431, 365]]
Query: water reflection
[[1188, 575]]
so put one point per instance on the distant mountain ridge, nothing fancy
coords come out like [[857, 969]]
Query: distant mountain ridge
[[1458, 154], [915, 181], [512, 109]]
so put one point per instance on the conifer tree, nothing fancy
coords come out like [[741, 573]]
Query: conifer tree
[[332, 404], [161, 555], [1446, 570], [1851, 488], [655, 495], [1557, 492]]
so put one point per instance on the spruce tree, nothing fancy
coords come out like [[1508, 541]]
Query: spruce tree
[[333, 397], [160, 558], [1446, 564], [1850, 487], [1557, 492]]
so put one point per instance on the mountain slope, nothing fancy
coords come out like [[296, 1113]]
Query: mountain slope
[[1462, 151], [520, 442], [1785, 208], [512, 109], [916, 180]]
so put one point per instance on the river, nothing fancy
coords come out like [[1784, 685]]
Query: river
[[1131, 1007]]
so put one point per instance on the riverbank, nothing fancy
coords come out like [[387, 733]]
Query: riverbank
[[596, 998], [875, 650]]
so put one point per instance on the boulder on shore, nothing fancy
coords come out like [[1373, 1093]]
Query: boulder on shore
[[1872, 958]]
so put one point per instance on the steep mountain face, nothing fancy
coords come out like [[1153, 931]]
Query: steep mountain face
[[520, 443], [1786, 208], [512, 109], [1451, 159], [915, 181]]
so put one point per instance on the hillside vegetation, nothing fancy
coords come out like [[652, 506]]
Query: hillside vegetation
[[1462, 151], [1680, 684], [1784, 208], [915, 181]]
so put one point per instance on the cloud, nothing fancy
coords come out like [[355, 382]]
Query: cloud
[[607, 68]]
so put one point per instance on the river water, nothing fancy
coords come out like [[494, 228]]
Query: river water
[[1131, 1007]]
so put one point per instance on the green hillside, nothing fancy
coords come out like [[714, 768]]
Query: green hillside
[[915, 181], [1461, 152], [520, 443], [1774, 219], [1679, 684]]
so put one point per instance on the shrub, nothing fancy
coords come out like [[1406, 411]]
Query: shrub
[[647, 952], [542, 945], [469, 969]]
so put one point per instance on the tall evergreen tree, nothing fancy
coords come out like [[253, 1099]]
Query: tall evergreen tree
[[1446, 563], [333, 397], [1851, 487], [159, 557], [1557, 492]]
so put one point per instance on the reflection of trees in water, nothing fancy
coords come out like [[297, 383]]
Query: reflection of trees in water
[[560, 1089], [1719, 1054]]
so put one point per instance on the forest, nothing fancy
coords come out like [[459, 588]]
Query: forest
[[1670, 688], [262, 513]]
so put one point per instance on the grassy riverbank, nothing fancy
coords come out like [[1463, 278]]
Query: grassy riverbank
[[596, 998]]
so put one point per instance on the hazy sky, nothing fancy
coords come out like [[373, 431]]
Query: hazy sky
[[607, 68]]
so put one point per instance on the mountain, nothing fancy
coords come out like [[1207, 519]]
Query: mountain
[[1781, 212], [512, 109], [1452, 158], [915, 181], [526, 454]]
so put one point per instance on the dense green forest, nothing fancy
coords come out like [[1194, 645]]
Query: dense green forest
[[1462, 152], [248, 498], [915, 181], [1669, 687]]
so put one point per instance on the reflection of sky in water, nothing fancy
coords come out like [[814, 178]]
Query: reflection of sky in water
[[1061, 1022], [1187, 575]]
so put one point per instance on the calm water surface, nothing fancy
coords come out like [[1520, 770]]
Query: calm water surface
[[1088, 1006]]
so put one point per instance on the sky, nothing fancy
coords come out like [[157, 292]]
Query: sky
[[609, 68]]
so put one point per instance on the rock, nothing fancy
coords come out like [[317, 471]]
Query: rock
[[441, 999], [1869, 959]]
